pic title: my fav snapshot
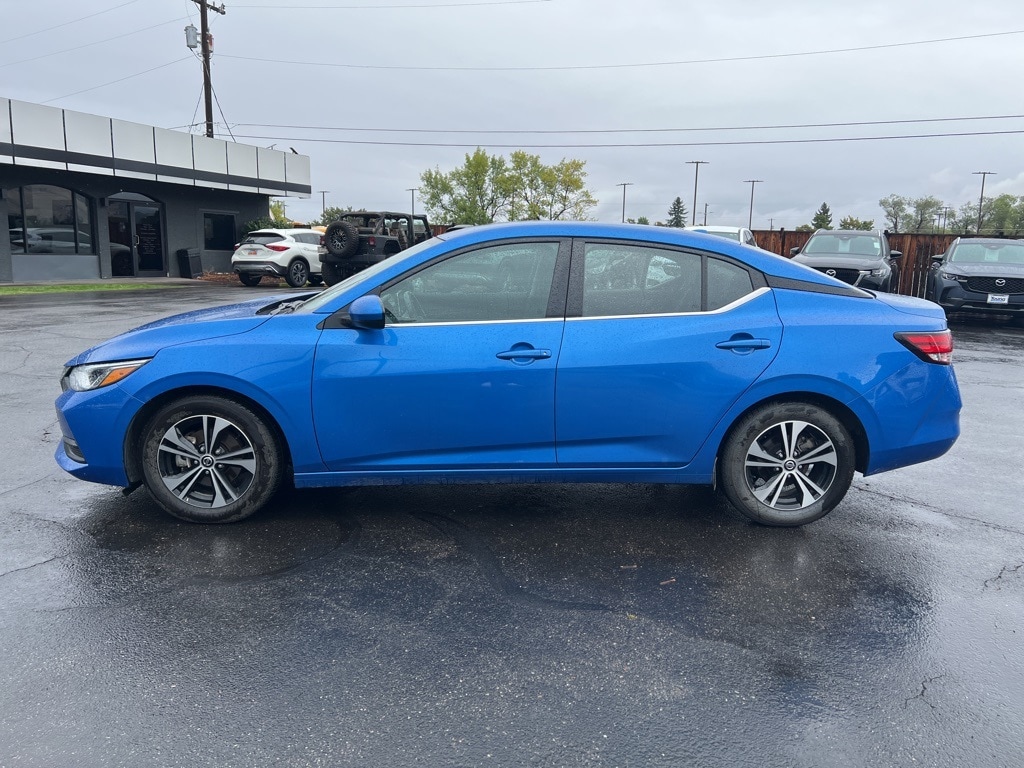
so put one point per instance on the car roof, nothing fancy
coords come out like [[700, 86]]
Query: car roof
[[765, 261]]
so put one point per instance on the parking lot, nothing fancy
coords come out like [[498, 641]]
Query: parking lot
[[542, 625]]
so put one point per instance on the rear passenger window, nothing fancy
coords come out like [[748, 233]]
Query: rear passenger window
[[623, 279], [726, 283]]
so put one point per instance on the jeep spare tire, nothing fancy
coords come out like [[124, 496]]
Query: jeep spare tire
[[341, 239]]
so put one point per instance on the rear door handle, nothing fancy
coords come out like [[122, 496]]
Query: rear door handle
[[744, 344]]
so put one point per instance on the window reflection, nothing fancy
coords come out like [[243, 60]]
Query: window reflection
[[43, 218]]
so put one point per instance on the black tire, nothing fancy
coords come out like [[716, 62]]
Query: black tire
[[332, 272], [297, 274], [787, 464], [249, 279], [315, 279], [341, 239], [180, 465]]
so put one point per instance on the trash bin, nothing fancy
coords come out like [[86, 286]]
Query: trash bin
[[189, 263]]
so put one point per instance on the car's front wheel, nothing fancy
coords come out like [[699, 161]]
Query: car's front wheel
[[787, 464], [298, 273], [210, 460]]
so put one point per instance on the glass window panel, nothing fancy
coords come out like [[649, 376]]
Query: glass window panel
[[622, 279], [15, 220], [504, 282], [83, 221], [219, 231], [727, 282], [49, 219]]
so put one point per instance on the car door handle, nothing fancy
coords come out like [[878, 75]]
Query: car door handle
[[748, 344], [524, 354]]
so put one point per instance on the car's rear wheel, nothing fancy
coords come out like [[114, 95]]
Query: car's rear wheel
[[249, 279], [315, 279], [210, 460], [298, 273], [787, 464]]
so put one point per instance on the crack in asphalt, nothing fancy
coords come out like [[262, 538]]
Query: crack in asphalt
[[938, 511], [1006, 570], [491, 568], [30, 567], [924, 690]]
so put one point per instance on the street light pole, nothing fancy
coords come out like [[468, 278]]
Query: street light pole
[[323, 200], [696, 170], [706, 214], [750, 217], [624, 185], [412, 199], [981, 200]]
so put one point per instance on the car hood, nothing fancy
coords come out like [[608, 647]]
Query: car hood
[[198, 325], [970, 269], [838, 261]]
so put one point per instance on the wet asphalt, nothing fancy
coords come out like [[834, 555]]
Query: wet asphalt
[[547, 625]]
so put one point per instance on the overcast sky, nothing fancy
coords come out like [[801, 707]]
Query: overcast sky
[[691, 81]]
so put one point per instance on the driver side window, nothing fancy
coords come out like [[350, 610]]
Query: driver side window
[[503, 282]]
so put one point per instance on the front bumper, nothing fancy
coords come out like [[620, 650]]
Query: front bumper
[[953, 296]]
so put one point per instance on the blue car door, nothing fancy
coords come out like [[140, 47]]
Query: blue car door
[[462, 375], [659, 342]]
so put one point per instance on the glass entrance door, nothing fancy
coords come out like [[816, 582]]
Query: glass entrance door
[[136, 238]]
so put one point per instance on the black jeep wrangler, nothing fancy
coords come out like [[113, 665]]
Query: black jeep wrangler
[[361, 238]]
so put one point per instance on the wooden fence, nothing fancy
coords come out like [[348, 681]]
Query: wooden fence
[[917, 251]]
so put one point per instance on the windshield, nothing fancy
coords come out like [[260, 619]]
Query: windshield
[[855, 246], [988, 253], [325, 296]]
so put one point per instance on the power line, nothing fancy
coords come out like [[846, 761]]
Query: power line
[[378, 7], [633, 130], [750, 142], [574, 67], [119, 80], [67, 23], [97, 42]]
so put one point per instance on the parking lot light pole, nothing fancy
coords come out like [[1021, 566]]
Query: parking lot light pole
[[981, 200], [696, 171], [624, 185], [323, 200], [750, 217], [412, 199]]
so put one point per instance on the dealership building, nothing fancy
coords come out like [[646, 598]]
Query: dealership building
[[86, 196]]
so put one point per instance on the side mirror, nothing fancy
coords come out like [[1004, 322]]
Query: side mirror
[[367, 312], [895, 254], [794, 251]]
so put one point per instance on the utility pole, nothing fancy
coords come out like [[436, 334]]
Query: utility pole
[[706, 214], [696, 170], [204, 31], [981, 200], [624, 185], [323, 200], [750, 217], [412, 195]]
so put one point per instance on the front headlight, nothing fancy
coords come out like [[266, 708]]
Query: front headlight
[[82, 378], [880, 272], [951, 276]]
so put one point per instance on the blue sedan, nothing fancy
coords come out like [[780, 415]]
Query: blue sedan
[[530, 352]]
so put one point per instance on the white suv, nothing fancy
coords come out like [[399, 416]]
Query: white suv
[[289, 253], [739, 234]]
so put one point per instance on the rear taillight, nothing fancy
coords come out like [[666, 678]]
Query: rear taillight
[[930, 346], [322, 240], [371, 241], [278, 248], [237, 246]]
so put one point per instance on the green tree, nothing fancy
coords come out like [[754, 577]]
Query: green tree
[[922, 214], [805, 228], [639, 220], [330, 214], [677, 213], [895, 209], [823, 218], [852, 222], [1005, 214], [490, 188]]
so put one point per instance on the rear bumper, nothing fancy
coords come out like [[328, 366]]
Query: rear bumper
[[259, 268]]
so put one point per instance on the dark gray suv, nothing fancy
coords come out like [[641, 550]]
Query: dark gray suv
[[979, 274], [858, 257]]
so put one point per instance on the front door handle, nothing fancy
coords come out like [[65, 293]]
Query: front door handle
[[745, 344], [524, 353]]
